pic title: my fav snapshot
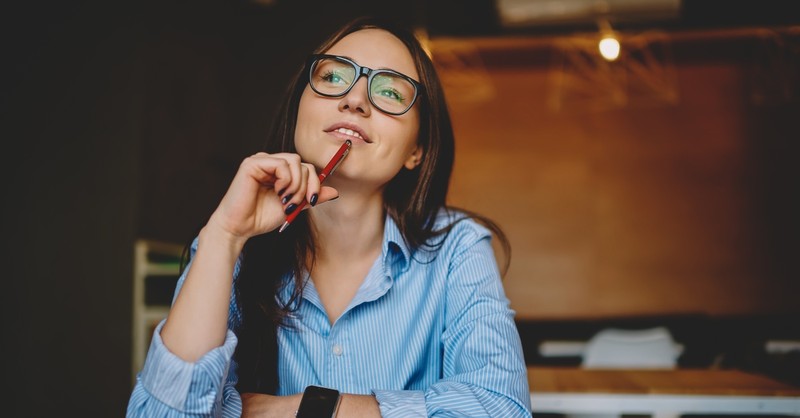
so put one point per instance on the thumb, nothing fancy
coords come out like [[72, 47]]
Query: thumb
[[326, 194]]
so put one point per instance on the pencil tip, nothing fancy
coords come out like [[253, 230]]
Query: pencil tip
[[284, 226]]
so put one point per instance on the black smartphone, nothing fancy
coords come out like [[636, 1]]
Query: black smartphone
[[318, 402]]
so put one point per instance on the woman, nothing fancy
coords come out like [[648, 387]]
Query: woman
[[385, 295]]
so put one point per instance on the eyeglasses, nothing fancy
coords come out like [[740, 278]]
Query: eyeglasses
[[389, 91]]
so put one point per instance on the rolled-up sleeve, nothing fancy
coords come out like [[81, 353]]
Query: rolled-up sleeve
[[401, 403], [170, 387]]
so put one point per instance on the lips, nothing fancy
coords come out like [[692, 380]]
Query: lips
[[349, 131]]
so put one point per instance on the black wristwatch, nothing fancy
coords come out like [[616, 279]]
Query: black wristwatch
[[318, 402]]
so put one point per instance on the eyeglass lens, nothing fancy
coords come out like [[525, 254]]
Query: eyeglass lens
[[388, 92]]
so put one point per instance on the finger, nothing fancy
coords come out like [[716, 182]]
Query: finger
[[312, 185], [326, 194], [288, 187], [265, 169], [292, 202], [251, 196]]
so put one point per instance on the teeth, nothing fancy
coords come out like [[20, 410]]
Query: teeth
[[349, 132]]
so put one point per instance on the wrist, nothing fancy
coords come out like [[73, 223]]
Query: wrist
[[318, 402], [212, 235]]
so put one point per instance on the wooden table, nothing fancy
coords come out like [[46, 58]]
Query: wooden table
[[661, 393]]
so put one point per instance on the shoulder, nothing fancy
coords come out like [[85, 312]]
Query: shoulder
[[455, 233], [460, 230], [466, 249], [461, 224]]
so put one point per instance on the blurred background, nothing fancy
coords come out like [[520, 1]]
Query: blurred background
[[655, 183]]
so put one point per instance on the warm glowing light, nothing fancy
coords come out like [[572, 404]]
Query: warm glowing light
[[609, 48]]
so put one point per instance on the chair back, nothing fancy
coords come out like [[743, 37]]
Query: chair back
[[651, 348]]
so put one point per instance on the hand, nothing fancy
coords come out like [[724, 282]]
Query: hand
[[252, 205], [267, 406]]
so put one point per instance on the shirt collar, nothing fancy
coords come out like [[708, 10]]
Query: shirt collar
[[394, 260], [395, 257], [395, 250]]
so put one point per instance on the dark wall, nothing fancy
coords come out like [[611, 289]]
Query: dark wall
[[71, 103]]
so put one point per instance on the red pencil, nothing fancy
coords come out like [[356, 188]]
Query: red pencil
[[327, 171]]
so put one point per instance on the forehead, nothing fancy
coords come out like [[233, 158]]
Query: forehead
[[376, 48]]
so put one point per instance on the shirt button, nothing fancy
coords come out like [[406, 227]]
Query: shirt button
[[337, 350]]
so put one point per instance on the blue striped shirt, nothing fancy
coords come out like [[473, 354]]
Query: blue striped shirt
[[426, 334]]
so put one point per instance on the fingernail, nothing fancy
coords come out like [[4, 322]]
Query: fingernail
[[313, 200], [333, 199], [280, 193], [286, 199], [290, 208]]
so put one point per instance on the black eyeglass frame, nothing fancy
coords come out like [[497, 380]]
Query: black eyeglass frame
[[360, 72]]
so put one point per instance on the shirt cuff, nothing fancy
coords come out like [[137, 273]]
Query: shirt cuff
[[401, 403], [185, 386]]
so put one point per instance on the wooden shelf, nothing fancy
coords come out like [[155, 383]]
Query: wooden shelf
[[152, 259]]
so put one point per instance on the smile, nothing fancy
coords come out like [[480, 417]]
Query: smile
[[350, 133]]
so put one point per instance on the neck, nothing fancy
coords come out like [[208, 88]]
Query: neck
[[349, 228]]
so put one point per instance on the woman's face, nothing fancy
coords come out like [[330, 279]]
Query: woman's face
[[382, 144]]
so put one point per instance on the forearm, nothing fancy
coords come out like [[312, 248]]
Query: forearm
[[358, 406], [265, 406], [197, 321]]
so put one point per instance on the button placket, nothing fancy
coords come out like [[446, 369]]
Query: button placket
[[335, 338], [338, 358], [337, 350]]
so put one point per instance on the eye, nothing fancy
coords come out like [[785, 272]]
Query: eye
[[389, 87], [333, 74], [333, 77], [391, 93]]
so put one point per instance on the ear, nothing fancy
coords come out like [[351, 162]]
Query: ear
[[414, 159]]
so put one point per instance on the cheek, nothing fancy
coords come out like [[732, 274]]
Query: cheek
[[414, 128], [304, 109], [305, 116], [403, 144], [407, 141], [410, 137]]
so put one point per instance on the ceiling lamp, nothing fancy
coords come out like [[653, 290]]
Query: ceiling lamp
[[609, 44]]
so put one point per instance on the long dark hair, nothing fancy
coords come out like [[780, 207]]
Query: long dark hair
[[413, 198]]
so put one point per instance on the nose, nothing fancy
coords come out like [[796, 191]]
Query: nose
[[356, 99]]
